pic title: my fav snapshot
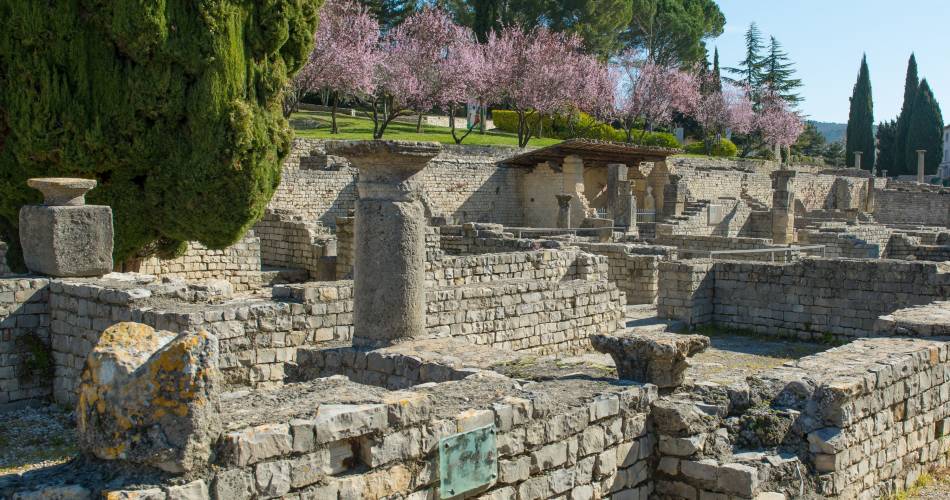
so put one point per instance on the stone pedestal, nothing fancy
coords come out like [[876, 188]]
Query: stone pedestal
[[674, 196], [563, 210], [389, 241], [64, 237], [921, 162], [783, 208]]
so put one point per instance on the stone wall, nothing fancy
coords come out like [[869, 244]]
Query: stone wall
[[689, 246], [928, 206], [287, 241], [907, 247], [811, 298], [541, 184], [720, 217], [463, 183], [240, 264], [634, 269], [25, 368], [851, 241]]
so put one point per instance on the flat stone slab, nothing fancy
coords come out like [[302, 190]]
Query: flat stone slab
[[931, 320], [656, 357]]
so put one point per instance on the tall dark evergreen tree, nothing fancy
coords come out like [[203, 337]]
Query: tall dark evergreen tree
[[717, 72], [925, 130], [911, 85], [390, 13], [860, 133], [778, 74], [749, 70], [887, 148]]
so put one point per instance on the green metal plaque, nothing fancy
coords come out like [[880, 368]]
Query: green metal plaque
[[467, 462]]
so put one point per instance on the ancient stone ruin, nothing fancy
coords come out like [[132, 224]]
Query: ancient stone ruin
[[410, 321]]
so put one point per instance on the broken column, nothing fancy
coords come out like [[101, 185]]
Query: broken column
[[857, 159], [64, 237], [621, 205], [869, 199], [674, 196], [573, 168], [388, 268], [921, 161], [783, 208], [563, 210], [655, 358]]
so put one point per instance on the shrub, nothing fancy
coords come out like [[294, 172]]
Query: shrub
[[174, 107], [584, 126], [725, 149]]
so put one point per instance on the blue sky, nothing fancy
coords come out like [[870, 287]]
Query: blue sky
[[826, 38]]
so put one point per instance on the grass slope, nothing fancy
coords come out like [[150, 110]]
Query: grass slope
[[316, 125]]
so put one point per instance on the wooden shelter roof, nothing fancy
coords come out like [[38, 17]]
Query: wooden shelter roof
[[594, 153]]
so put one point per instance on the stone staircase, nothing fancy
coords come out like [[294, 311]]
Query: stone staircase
[[754, 204]]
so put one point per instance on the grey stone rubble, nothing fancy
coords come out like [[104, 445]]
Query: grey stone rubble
[[234, 381]]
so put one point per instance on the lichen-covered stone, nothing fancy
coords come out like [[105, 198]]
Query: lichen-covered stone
[[150, 397], [656, 358]]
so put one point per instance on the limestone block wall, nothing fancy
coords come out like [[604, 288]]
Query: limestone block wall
[[696, 246], [906, 247], [810, 298], [25, 368], [735, 215], [541, 184], [465, 183], [289, 242], [240, 264], [913, 206], [633, 268], [880, 414], [868, 241], [546, 265]]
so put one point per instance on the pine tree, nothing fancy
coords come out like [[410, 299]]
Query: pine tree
[[887, 148], [925, 130], [390, 13], [860, 133], [911, 86], [174, 107], [749, 70], [778, 74]]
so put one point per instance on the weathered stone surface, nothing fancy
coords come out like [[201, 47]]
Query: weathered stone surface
[[150, 397], [71, 492], [656, 358], [67, 241], [62, 190]]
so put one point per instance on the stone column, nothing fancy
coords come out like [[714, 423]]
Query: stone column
[[563, 210], [389, 263], [573, 167], [674, 196], [869, 199], [921, 161], [783, 207], [64, 237], [618, 188], [857, 159]]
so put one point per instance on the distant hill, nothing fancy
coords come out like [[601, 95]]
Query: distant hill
[[833, 132]]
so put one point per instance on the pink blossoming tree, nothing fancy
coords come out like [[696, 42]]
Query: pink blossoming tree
[[344, 56], [777, 123], [721, 109], [538, 72], [652, 93]]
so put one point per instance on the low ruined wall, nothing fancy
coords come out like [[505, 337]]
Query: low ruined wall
[[289, 242], [810, 298], [239, 264], [633, 268], [697, 246], [849, 241], [913, 205], [25, 367], [906, 247], [546, 265]]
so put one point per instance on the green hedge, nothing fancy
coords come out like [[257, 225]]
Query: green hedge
[[725, 149], [584, 127]]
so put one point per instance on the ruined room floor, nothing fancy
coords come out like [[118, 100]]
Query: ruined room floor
[[35, 437]]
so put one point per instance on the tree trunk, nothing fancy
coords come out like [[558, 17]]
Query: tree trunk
[[482, 117], [336, 101], [419, 124]]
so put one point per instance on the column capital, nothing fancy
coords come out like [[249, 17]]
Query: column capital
[[62, 191], [386, 167]]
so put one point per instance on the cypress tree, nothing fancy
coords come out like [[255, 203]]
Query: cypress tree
[[925, 130], [887, 150], [174, 107], [717, 73], [911, 85], [860, 133]]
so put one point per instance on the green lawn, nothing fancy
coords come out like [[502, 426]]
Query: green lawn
[[316, 125]]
